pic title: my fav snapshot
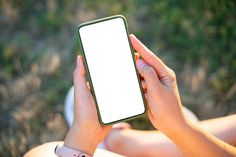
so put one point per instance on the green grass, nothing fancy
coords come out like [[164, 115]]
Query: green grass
[[38, 46]]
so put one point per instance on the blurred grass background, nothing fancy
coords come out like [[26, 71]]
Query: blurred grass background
[[38, 45]]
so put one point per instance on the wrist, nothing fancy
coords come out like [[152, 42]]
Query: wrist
[[178, 130], [176, 126], [80, 139]]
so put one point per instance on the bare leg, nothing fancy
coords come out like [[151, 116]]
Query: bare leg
[[149, 143], [47, 149], [131, 142]]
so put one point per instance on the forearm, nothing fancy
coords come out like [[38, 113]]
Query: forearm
[[131, 142], [223, 128], [142, 143], [193, 141]]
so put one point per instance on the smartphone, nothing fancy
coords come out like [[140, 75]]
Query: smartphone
[[111, 70]]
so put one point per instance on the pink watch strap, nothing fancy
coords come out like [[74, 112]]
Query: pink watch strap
[[64, 151]]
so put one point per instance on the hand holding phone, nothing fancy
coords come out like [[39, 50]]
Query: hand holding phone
[[86, 132]]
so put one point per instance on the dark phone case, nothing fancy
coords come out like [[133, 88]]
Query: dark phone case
[[88, 74]]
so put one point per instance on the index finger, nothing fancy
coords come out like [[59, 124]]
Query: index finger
[[149, 57]]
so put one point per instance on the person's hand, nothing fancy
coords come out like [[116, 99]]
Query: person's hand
[[86, 132], [160, 87]]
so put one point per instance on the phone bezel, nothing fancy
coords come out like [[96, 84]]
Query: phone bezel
[[88, 73]]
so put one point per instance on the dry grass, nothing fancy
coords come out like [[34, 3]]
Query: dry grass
[[37, 50]]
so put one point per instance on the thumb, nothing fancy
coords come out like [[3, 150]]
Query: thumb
[[80, 84], [149, 75]]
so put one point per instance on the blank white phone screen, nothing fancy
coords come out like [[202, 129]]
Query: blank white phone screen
[[112, 70]]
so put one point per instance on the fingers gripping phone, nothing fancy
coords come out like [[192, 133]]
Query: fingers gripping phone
[[111, 70]]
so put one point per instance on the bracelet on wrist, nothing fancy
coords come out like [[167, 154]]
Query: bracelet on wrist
[[64, 151]]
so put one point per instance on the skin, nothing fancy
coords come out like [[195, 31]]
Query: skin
[[86, 126], [130, 142], [164, 111]]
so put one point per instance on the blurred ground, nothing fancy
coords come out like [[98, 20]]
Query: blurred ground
[[38, 45]]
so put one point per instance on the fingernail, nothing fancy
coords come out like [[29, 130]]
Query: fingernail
[[133, 36], [78, 61], [140, 63]]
